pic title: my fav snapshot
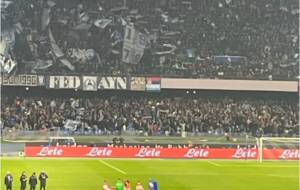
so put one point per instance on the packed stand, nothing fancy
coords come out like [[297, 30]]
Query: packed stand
[[180, 38], [152, 116]]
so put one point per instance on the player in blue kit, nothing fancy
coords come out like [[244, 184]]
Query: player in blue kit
[[152, 185]]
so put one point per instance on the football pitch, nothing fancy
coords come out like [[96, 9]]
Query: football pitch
[[88, 174]]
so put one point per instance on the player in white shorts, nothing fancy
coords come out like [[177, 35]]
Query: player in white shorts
[[139, 186], [105, 186]]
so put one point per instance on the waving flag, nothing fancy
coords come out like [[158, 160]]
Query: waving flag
[[102, 23], [229, 59], [134, 44]]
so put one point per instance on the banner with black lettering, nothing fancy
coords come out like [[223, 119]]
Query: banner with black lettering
[[138, 83], [89, 83], [19, 80], [119, 83], [64, 82]]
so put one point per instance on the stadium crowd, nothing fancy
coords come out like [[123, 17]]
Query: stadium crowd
[[152, 115], [183, 36]]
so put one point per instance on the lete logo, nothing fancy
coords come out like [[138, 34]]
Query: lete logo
[[290, 154], [245, 153], [99, 152], [196, 153], [50, 151], [145, 152]]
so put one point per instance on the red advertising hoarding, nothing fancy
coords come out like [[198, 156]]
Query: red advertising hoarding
[[181, 153]]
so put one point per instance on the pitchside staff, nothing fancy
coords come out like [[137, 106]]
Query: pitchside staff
[[8, 181], [23, 181], [43, 178], [32, 181]]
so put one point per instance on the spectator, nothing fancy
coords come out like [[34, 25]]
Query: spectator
[[183, 37], [154, 116]]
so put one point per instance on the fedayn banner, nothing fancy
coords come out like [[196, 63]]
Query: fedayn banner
[[89, 83], [64, 82], [112, 83]]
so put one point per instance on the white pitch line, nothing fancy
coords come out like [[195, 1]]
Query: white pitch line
[[262, 166], [282, 176], [213, 163], [113, 167]]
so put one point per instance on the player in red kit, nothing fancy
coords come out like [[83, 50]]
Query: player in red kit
[[127, 185]]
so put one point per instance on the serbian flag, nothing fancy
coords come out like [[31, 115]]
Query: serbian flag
[[153, 84]]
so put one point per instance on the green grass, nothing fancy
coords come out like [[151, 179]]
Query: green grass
[[88, 174]]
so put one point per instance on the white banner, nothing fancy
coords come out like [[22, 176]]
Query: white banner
[[64, 82], [112, 83], [89, 83]]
